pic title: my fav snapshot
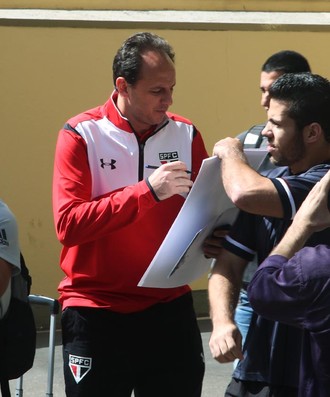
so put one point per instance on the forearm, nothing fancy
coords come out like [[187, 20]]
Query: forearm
[[223, 299], [224, 286], [294, 239], [247, 189], [238, 177], [79, 221]]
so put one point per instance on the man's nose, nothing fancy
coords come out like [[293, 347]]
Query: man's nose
[[168, 98], [267, 130], [265, 100]]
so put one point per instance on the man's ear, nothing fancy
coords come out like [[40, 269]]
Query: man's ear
[[313, 132], [121, 86]]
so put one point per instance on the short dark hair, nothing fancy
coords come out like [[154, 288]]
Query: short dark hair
[[128, 60], [286, 61], [308, 97]]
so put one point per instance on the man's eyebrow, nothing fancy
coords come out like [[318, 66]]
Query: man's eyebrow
[[271, 120]]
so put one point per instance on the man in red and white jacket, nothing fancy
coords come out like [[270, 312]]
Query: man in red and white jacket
[[111, 215]]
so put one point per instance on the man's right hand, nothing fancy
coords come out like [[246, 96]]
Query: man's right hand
[[170, 179], [226, 343], [212, 245]]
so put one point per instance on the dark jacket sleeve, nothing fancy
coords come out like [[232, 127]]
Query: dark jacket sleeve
[[295, 291]]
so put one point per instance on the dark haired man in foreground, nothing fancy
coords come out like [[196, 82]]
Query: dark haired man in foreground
[[298, 133]]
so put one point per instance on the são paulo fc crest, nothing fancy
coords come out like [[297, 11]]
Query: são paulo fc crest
[[79, 366]]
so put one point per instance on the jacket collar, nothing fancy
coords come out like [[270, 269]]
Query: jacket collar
[[112, 112]]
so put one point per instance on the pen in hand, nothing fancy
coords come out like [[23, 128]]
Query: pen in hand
[[154, 167]]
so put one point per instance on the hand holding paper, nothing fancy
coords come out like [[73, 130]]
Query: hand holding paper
[[180, 259]]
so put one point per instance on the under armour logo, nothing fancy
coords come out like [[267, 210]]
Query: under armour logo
[[107, 164]]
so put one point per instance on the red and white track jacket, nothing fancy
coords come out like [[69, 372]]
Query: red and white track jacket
[[108, 220]]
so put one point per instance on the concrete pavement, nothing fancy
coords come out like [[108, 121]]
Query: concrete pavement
[[35, 381]]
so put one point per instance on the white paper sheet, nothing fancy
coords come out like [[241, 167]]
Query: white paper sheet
[[180, 259]]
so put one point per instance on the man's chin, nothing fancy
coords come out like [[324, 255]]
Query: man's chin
[[278, 162], [274, 161], [159, 120]]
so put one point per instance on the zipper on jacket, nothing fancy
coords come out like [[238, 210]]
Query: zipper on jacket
[[141, 160], [141, 148]]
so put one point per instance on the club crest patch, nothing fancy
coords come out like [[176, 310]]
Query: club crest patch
[[168, 157], [79, 366]]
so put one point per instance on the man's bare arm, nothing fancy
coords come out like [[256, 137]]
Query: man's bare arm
[[224, 285], [248, 190]]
